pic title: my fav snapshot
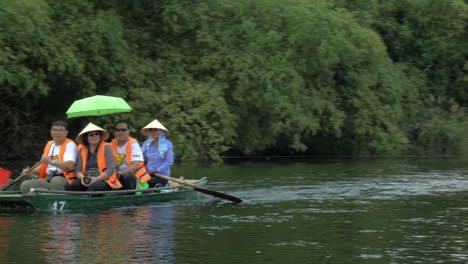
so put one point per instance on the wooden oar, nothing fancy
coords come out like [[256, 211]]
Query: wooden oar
[[201, 189], [20, 177]]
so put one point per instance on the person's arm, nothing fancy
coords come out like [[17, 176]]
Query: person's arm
[[133, 167], [144, 148], [68, 159], [110, 163], [63, 165], [79, 164]]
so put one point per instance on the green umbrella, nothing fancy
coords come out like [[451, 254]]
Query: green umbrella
[[98, 105]]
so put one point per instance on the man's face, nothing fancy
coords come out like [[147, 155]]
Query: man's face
[[58, 133], [121, 132]]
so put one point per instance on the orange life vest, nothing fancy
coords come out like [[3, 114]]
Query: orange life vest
[[69, 174], [141, 173], [101, 161]]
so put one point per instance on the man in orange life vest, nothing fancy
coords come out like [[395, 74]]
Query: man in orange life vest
[[58, 162], [129, 158]]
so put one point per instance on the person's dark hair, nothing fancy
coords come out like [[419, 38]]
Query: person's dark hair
[[123, 121], [60, 123], [85, 140]]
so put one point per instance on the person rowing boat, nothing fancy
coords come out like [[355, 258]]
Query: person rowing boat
[[58, 162]]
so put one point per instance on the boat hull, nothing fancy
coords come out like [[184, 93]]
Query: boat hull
[[44, 200], [57, 202]]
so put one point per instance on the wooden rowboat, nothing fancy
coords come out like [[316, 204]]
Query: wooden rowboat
[[70, 201]]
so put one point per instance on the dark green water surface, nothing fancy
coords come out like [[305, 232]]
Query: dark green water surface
[[294, 211]]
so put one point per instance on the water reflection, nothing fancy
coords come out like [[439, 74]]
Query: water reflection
[[127, 235], [56, 238], [5, 236]]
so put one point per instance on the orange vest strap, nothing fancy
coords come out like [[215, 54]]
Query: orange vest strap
[[43, 173], [101, 161], [141, 173], [69, 174]]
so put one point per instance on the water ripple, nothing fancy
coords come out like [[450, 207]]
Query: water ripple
[[388, 187]]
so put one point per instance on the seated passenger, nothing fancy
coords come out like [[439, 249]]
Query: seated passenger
[[95, 164], [129, 158], [58, 162], [158, 153]]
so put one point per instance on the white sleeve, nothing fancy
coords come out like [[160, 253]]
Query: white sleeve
[[70, 152], [137, 155]]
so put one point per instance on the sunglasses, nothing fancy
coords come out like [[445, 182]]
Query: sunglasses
[[59, 130], [120, 129], [92, 134]]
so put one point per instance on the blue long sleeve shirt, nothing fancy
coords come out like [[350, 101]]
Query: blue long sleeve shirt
[[155, 163]]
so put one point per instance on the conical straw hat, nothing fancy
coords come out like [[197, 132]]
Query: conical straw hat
[[92, 127], [154, 124]]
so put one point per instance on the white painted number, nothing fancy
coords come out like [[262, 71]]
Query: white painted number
[[58, 205]]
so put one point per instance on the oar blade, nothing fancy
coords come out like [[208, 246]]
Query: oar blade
[[4, 176], [219, 195]]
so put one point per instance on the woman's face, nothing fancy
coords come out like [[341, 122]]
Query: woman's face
[[94, 137], [154, 133]]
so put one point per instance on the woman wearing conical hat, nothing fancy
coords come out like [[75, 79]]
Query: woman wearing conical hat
[[95, 164], [158, 152]]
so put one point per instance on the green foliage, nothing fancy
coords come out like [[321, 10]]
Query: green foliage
[[431, 36], [25, 48], [438, 127], [349, 62], [195, 113], [95, 45], [249, 77], [290, 69]]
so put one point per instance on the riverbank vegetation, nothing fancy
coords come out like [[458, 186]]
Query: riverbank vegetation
[[276, 77]]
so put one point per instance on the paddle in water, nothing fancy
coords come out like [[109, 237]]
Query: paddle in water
[[202, 189]]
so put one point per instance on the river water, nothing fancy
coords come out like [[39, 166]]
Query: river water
[[294, 211]]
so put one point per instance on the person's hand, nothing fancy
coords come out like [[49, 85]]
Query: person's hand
[[87, 181], [83, 181], [46, 159], [26, 172], [79, 175]]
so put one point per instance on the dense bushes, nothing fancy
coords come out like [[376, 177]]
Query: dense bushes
[[244, 77]]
